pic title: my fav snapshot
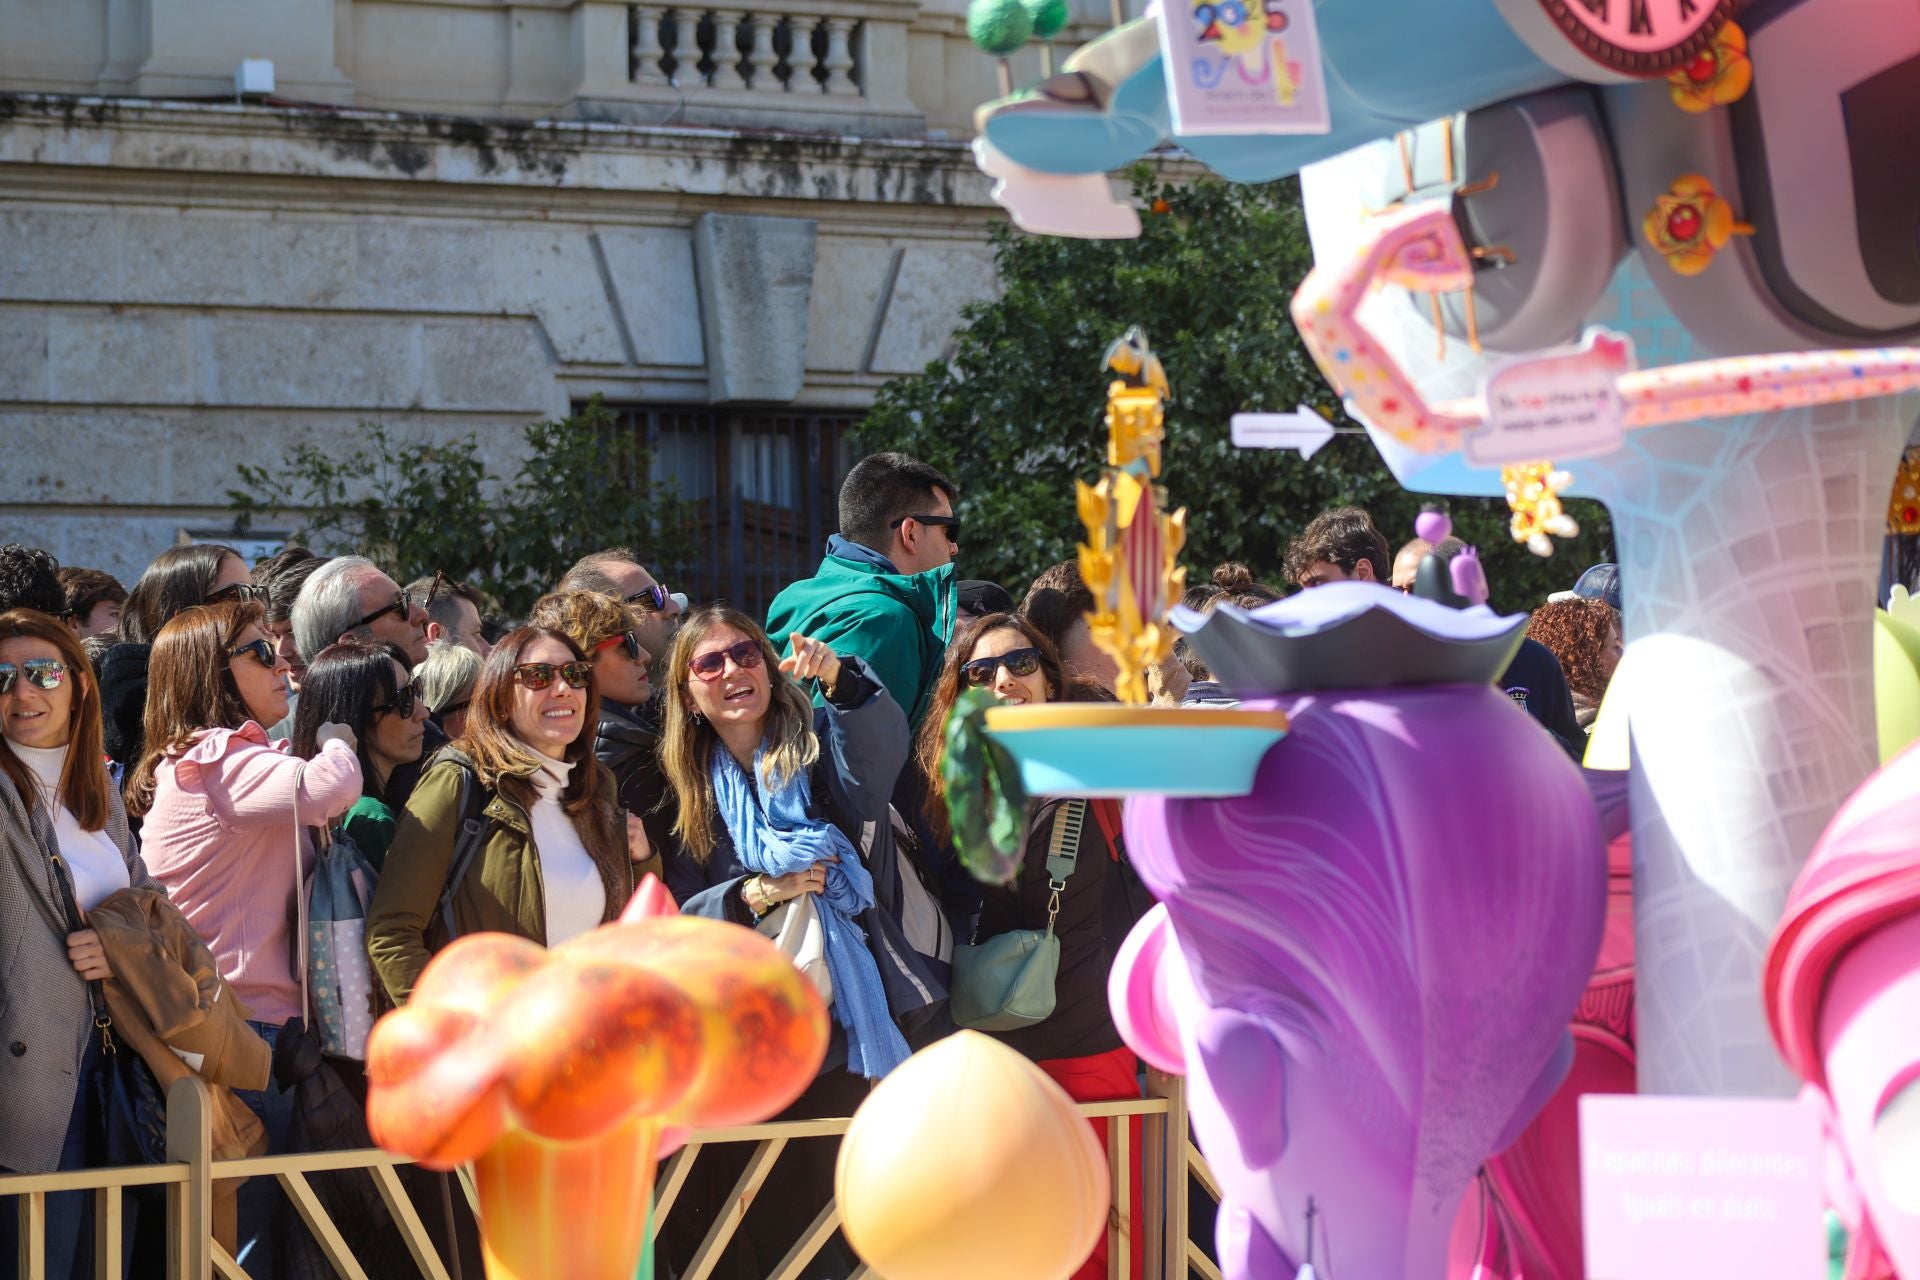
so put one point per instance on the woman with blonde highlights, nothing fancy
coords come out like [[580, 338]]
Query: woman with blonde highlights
[[551, 859]]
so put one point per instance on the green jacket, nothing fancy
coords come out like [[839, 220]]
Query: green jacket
[[501, 893], [898, 623]]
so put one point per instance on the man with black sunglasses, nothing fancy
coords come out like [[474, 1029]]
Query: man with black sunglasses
[[617, 571], [885, 589]]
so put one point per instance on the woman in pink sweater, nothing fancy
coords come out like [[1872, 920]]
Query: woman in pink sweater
[[226, 813]]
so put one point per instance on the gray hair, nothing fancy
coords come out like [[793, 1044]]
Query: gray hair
[[329, 603], [588, 578], [447, 675]]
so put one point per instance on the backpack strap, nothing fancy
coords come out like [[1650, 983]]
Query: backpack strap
[[466, 847]]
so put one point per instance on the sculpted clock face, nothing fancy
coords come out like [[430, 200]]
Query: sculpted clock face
[[1639, 37]]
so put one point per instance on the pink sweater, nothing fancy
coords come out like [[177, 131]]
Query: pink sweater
[[221, 841]]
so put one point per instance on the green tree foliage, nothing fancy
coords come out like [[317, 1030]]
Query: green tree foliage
[[1016, 414], [417, 506]]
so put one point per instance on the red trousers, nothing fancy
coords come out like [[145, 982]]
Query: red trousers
[[1103, 1077]]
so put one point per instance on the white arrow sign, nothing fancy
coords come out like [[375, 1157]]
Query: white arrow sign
[[1304, 430]]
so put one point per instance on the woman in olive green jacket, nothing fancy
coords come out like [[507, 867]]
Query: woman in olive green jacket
[[553, 861]]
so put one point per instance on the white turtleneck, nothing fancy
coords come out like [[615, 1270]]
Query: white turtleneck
[[576, 897], [97, 864]]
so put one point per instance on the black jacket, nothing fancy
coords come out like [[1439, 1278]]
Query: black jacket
[[863, 743], [1535, 681], [628, 743], [1102, 902], [123, 702]]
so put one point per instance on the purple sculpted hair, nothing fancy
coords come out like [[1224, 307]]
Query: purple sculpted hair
[[1408, 904]]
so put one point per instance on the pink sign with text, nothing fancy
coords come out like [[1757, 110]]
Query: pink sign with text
[[1243, 66], [1681, 1188]]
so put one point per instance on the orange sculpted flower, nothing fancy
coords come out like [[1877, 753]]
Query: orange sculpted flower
[[1689, 224], [1716, 76]]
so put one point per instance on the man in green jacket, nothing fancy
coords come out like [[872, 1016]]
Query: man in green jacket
[[884, 592]]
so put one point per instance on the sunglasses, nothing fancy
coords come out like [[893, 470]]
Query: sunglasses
[[653, 599], [261, 649], [402, 605], [404, 701], [539, 675], [435, 588], [744, 655], [980, 672], [41, 673], [626, 640], [454, 708], [244, 592], [949, 523]]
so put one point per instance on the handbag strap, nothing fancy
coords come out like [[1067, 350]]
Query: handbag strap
[[466, 847], [96, 990], [1107, 814], [1063, 852], [300, 899]]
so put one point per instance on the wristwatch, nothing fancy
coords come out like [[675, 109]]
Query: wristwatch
[[766, 899]]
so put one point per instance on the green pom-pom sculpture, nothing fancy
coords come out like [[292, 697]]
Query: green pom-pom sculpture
[[998, 27], [1049, 17]]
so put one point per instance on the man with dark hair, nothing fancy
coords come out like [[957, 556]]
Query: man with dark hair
[[885, 589], [1534, 679], [30, 579], [1340, 545], [1058, 603], [617, 571], [93, 601], [453, 610]]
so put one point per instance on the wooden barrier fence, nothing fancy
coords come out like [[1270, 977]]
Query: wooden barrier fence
[[1167, 1156]]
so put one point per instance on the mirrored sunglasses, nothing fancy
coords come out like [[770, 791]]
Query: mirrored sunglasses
[[744, 655], [41, 673], [652, 598], [980, 672], [539, 675]]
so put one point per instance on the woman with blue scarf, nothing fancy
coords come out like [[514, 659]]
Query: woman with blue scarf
[[774, 797]]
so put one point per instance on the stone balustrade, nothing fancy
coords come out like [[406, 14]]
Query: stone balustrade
[[756, 51]]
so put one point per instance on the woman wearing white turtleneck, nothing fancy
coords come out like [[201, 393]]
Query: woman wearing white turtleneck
[[552, 862], [62, 830]]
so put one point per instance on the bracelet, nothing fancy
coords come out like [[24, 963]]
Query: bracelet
[[766, 898]]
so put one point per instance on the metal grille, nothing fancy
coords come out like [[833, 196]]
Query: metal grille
[[764, 489]]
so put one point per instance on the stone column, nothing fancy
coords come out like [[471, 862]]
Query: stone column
[[646, 46], [762, 60], [839, 60]]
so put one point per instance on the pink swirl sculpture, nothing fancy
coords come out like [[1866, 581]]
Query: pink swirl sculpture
[[1365, 967]]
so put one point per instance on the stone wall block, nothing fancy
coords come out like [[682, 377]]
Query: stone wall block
[[123, 358], [408, 266], [234, 260], [488, 364], [554, 275], [652, 274], [274, 360], [23, 359], [924, 309], [756, 275], [849, 288], [56, 255]]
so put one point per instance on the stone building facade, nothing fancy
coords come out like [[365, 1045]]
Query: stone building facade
[[456, 216]]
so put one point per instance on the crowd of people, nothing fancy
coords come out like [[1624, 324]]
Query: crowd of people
[[193, 744]]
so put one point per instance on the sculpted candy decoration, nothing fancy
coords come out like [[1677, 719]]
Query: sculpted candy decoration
[[1365, 967], [1843, 993], [564, 1075]]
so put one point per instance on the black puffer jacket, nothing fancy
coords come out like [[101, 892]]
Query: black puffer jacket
[[628, 743], [123, 702], [1102, 902]]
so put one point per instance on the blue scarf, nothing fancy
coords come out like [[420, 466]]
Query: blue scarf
[[785, 838]]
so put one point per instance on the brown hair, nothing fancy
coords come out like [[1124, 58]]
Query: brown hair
[[506, 764], [1057, 599], [1344, 536], [190, 686], [87, 588], [931, 743], [687, 743], [588, 618], [1577, 631], [83, 780]]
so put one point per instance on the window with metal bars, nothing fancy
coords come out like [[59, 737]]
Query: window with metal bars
[[763, 489]]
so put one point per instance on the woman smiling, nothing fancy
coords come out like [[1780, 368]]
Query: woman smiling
[[547, 858]]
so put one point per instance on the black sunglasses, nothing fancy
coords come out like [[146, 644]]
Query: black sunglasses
[[244, 592], [42, 673], [980, 672], [652, 598], [454, 708], [261, 649], [404, 700], [708, 666], [626, 640], [950, 523], [402, 605], [538, 675]]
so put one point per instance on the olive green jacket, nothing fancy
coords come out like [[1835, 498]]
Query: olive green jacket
[[502, 892]]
